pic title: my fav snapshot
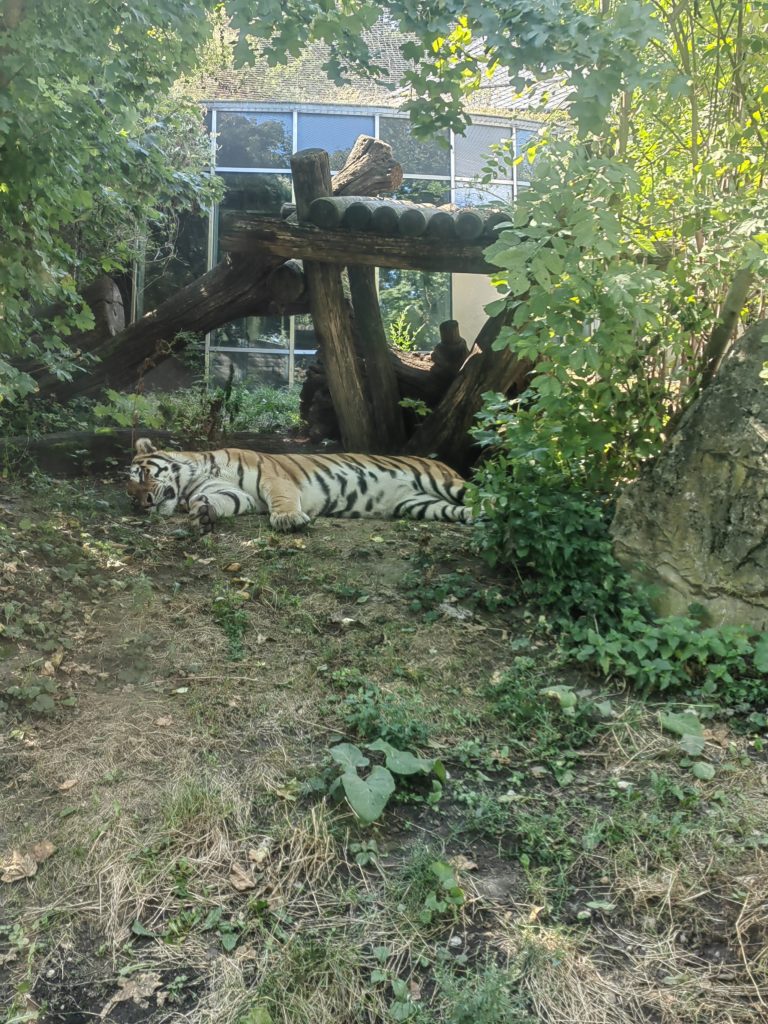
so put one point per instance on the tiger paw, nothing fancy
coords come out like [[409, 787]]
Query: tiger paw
[[287, 521], [204, 516]]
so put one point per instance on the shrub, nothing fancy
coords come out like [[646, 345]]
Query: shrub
[[542, 515]]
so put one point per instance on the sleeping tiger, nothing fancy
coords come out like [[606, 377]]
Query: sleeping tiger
[[293, 489]]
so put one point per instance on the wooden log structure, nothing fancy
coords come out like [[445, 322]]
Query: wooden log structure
[[312, 178], [396, 217], [247, 233], [256, 284], [383, 391]]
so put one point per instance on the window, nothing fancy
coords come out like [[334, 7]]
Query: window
[[524, 139], [335, 133], [414, 303], [171, 263], [473, 150], [414, 156], [254, 140], [497, 193]]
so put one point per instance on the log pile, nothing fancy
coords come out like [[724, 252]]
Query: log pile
[[411, 220]]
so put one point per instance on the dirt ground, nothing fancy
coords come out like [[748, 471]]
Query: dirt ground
[[176, 846]]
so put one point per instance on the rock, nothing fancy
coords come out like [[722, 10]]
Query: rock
[[695, 524]]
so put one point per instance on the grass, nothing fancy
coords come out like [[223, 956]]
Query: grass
[[575, 869]]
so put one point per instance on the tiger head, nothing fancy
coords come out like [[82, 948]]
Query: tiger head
[[153, 480]]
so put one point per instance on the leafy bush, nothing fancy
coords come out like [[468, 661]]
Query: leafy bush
[[542, 516]]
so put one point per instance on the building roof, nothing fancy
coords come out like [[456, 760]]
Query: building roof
[[303, 81]]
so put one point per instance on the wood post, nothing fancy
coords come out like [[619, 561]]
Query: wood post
[[445, 432], [380, 371], [330, 312]]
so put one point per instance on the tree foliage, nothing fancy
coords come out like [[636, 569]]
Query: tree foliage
[[641, 239], [93, 152]]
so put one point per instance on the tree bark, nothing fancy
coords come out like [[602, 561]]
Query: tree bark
[[247, 233], [238, 286], [369, 169], [330, 313], [723, 330], [389, 431], [445, 432]]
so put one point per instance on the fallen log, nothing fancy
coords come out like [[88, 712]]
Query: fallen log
[[238, 286], [248, 233]]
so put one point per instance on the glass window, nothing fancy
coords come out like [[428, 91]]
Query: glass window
[[335, 133], [254, 193], [254, 140], [248, 368], [413, 305], [172, 263], [422, 190], [473, 149], [415, 156], [524, 139], [496, 194]]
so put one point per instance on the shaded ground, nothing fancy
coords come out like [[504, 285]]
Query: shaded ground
[[169, 706]]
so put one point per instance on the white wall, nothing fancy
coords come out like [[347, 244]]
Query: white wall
[[470, 293]]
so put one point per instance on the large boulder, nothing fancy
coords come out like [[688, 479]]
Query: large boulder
[[696, 522]]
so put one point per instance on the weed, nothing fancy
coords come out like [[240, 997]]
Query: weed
[[428, 591], [546, 723], [368, 795], [229, 614], [489, 995], [371, 714]]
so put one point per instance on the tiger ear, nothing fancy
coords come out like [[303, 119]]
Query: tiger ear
[[144, 446]]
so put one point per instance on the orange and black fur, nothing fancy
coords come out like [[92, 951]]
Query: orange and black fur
[[294, 489]]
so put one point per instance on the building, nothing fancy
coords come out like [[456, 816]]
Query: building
[[260, 116]]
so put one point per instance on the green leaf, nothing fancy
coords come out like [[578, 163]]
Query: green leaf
[[368, 797], [761, 654], [692, 745], [564, 695], [685, 724], [258, 1015], [401, 762], [139, 929], [349, 756], [703, 770]]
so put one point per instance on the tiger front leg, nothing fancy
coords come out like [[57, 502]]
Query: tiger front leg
[[283, 500], [216, 501]]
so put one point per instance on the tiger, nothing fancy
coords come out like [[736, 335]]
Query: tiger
[[293, 489]]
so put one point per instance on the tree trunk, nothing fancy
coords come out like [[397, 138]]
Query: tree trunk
[[330, 313], [389, 431], [238, 286], [369, 169], [445, 432]]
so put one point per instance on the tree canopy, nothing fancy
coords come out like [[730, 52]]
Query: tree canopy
[[92, 152], [628, 260]]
